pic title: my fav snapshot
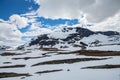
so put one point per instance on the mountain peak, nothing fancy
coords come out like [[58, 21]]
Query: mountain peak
[[72, 36]]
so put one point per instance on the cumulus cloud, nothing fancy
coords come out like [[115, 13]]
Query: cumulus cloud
[[19, 21], [111, 24], [35, 30], [9, 29], [101, 10], [105, 14], [8, 33], [95, 10], [68, 9]]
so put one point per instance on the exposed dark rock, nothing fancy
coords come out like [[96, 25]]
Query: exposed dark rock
[[68, 69], [20, 47], [4, 47], [40, 38], [12, 74], [95, 43], [108, 33], [84, 32], [45, 40], [83, 44]]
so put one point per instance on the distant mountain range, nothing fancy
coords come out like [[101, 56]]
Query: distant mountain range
[[4, 47], [73, 37]]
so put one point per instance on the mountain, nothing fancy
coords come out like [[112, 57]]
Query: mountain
[[4, 47], [73, 37]]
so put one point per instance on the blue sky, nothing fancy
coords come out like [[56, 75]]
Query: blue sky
[[15, 7], [24, 19], [22, 7], [25, 6]]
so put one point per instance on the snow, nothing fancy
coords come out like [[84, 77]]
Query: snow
[[58, 34], [1, 51], [106, 48], [75, 73], [94, 37], [102, 38]]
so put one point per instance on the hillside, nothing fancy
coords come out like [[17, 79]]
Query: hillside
[[79, 38]]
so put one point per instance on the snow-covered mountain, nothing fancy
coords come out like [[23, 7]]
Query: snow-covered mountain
[[65, 60], [4, 47], [74, 37]]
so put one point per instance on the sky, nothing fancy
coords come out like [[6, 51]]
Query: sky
[[21, 20]]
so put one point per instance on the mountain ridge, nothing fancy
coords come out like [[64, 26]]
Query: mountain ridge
[[73, 36]]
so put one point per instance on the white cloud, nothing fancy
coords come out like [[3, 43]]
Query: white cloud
[[95, 10], [20, 22], [104, 14], [101, 10], [111, 24], [8, 33], [68, 9], [31, 16], [36, 30], [9, 30]]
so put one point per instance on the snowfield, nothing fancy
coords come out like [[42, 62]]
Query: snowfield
[[64, 54], [106, 48], [72, 71]]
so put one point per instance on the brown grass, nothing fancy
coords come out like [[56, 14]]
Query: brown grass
[[27, 58], [27, 52], [7, 62], [107, 66], [50, 49], [11, 74], [93, 53], [12, 66], [68, 61], [9, 54], [48, 71]]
